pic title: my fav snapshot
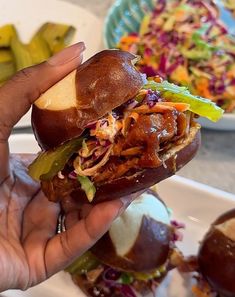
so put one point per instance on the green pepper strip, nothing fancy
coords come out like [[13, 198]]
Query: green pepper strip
[[198, 105], [87, 186]]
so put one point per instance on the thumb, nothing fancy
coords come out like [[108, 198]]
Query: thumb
[[17, 95]]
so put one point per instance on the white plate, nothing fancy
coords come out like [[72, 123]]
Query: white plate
[[193, 203], [29, 15], [226, 123], [126, 15]]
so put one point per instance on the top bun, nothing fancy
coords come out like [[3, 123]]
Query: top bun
[[99, 85], [217, 255], [139, 240]]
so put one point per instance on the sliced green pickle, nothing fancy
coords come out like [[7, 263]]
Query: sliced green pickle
[[39, 49], [198, 105], [49, 163], [7, 69], [56, 35], [83, 264], [87, 186], [6, 34], [21, 54], [6, 56]]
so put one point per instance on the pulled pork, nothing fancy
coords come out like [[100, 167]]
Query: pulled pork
[[137, 142]]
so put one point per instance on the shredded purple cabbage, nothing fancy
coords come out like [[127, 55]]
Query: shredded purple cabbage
[[148, 70], [161, 4], [127, 291], [152, 98], [177, 225], [72, 175], [111, 274], [162, 64]]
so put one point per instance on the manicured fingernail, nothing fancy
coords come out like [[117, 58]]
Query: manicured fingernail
[[126, 201], [68, 54]]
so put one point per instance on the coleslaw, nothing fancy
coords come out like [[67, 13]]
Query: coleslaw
[[230, 5], [98, 279], [126, 138], [185, 43]]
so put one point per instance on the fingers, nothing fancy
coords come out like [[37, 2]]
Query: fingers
[[39, 226], [40, 215], [4, 161], [84, 233], [77, 212], [17, 95], [75, 241]]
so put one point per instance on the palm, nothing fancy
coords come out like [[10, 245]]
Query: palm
[[29, 226], [30, 249]]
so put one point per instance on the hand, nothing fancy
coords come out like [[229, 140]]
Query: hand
[[30, 249]]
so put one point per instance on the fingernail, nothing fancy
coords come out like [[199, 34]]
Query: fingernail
[[126, 201], [68, 54]]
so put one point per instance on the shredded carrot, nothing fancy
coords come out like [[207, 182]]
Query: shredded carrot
[[230, 91], [118, 125], [180, 15], [231, 72], [134, 115], [180, 73], [129, 39], [202, 86], [198, 293], [127, 121], [132, 151], [156, 108], [156, 78], [178, 106]]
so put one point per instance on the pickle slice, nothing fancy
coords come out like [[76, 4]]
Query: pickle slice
[[39, 49], [7, 32], [5, 56], [7, 69], [83, 264], [56, 35], [22, 55], [49, 163]]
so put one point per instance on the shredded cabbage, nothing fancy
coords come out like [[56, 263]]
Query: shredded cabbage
[[181, 38], [87, 186], [197, 104]]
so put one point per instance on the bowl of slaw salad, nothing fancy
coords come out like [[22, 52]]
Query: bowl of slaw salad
[[188, 42]]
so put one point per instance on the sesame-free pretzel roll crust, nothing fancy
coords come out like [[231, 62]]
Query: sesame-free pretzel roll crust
[[149, 252], [216, 255], [99, 85], [69, 193]]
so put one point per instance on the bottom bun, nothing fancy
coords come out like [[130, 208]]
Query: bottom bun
[[98, 288], [69, 193]]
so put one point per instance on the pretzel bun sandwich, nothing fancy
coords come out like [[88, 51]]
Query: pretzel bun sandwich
[[106, 130], [216, 257], [213, 268], [134, 256]]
